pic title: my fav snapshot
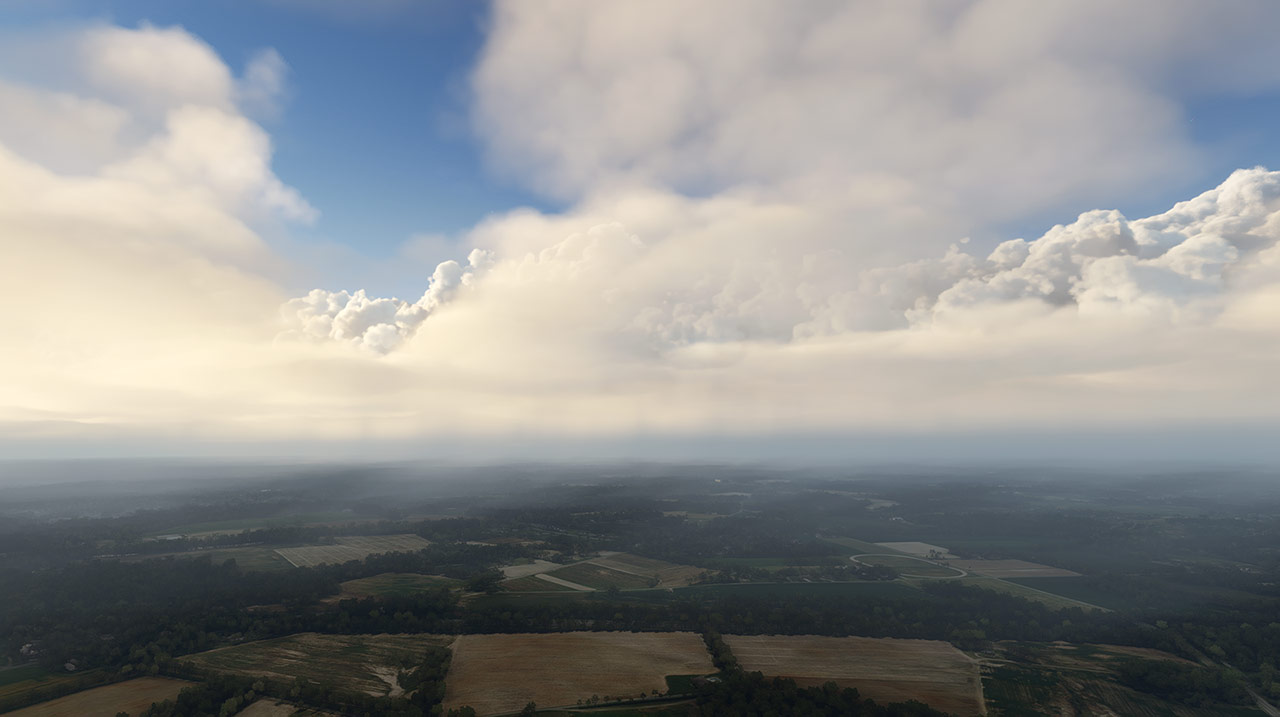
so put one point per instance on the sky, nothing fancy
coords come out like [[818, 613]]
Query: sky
[[579, 228]]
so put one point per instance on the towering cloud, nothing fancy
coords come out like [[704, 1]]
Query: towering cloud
[[781, 218]]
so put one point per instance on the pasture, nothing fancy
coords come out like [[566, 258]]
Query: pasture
[[884, 669], [598, 577], [358, 663], [132, 696], [495, 674], [910, 567], [532, 584], [351, 547], [1049, 600], [916, 548], [394, 584], [1011, 569], [667, 575]]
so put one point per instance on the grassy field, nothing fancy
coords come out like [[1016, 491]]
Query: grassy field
[[600, 577], [394, 584], [502, 673], [532, 584], [352, 547], [359, 663], [1012, 569], [24, 673], [21, 680], [884, 669], [910, 567], [251, 558], [668, 575], [1030, 679], [1051, 601], [132, 696]]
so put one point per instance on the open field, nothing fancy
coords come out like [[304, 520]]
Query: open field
[[359, 663], [394, 584], [910, 567], [1069, 679], [533, 584], [533, 567], [858, 546], [249, 558], [17, 682], [669, 575], [1049, 600], [918, 549], [502, 673], [1011, 569], [352, 547], [599, 577], [132, 696], [884, 669]]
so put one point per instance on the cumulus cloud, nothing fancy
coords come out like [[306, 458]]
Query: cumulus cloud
[[766, 232]]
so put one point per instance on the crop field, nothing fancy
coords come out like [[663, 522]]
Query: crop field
[[1049, 600], [669, 575], [884, 669], [250, 558], [1012, 569], [359, 663], [394, 584], [909, 566], [352, 547], [533, 584], [502, 673], [532, 567], [1059, 678], [132, 696], [18, 682], [599, 577]]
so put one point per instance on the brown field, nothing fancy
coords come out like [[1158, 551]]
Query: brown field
[[359, 663], [1011, 569], [502, 673], [669, 575], [884, 669], [132, 696], [351, 547]]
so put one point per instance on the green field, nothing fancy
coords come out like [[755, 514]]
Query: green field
[[1051, 601], [392, 584], [910, 566], [532, 584], [10, 675], [771, 563], [599, 577], [252, 558]]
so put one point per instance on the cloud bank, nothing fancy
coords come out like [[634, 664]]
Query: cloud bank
[[783, 219]]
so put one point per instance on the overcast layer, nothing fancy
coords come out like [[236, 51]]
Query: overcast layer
[[771, 206]]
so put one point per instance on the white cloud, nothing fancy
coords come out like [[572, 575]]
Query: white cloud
[[766, 235]]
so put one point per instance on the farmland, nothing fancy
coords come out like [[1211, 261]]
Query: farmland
[[667, 574], [884, 669], [599, 577], [1049, 600], [354, 547], [558, 669], [909, 566], [533, 584], [132, 696], [1011, 569], [274, 708], [358, 663], [393, 584]]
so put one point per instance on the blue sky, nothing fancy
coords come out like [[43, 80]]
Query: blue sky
[[746, 221], [376, 134], [374, 131]]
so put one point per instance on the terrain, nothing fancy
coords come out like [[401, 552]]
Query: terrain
[[405, 590]]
